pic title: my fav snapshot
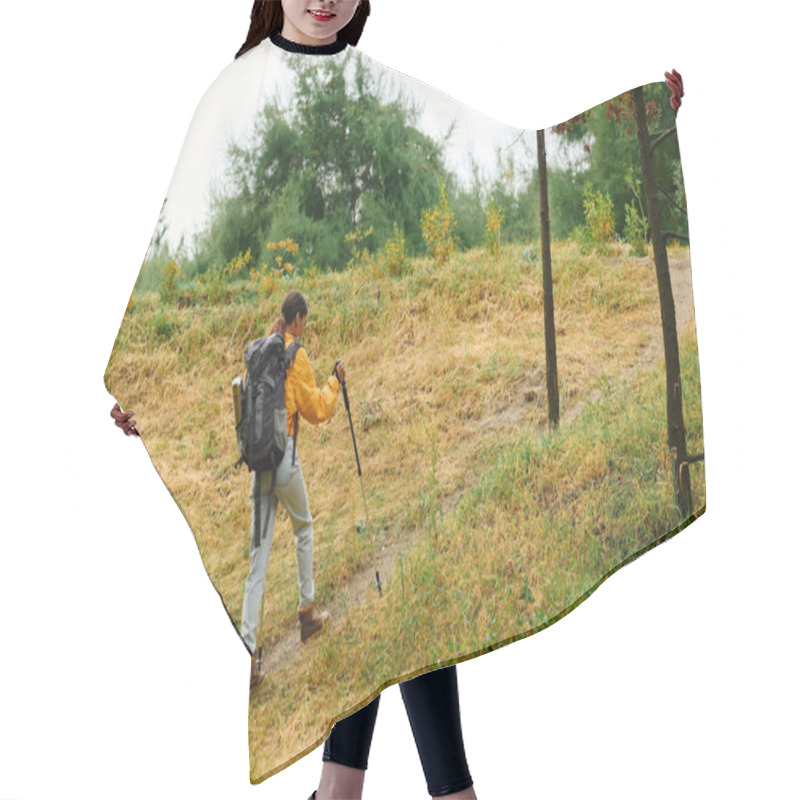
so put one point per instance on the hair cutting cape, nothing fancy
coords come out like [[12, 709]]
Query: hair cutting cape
[[505, 473]]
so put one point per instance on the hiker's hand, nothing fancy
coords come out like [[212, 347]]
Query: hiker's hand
[[123, 419], [339, 370]]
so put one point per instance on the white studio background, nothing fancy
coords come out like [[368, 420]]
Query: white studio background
[[120, 674]]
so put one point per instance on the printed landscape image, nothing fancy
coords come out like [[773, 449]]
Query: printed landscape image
[[493, 503]]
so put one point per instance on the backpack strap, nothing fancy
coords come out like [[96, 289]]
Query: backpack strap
[[296, 422], [291, 354], [258, 534], [257, 527], [269, 501]]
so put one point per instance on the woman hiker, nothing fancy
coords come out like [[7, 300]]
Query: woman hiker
[[305, 399], [315, 405]]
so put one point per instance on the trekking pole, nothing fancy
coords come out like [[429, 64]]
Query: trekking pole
[[259, 646], [363, 494]]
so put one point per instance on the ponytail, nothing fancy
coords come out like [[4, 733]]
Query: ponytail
[[279, 326]]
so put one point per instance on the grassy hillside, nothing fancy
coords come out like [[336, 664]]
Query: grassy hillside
[[488, 526]]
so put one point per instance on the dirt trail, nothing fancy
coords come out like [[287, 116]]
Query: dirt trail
[[680, 273], [287, 647], [681, 278]]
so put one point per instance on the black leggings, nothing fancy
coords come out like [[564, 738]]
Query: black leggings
[[432, 706]]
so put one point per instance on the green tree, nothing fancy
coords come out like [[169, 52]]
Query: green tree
[[607, 134], [344, 156], [676, 428]]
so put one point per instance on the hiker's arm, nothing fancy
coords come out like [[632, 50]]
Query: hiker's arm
[[315, 404]]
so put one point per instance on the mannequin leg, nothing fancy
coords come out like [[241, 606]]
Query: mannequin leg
[[431, 701], [433, 710], [345, 756]]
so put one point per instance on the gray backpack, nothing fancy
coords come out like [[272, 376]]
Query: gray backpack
[[261, 434]]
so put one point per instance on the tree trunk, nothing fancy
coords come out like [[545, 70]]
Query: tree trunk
[[547, 285], [676, 432]]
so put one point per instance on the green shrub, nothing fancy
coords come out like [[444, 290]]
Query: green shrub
[[636, 225], [359, 256], [164, 326], [439, 228], [491, 234], [635, 233], [598, 231], [394, 253], [267, 278], [215, 282], [168, 290]]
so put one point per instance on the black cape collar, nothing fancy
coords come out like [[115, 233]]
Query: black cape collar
[[308, 49]]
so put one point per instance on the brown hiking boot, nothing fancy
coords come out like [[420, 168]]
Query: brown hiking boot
[[256, 676], [312, 620]]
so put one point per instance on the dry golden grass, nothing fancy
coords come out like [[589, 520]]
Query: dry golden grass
[[488, 527]]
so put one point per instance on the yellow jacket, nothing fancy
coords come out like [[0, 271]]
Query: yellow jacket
[[315, 404]]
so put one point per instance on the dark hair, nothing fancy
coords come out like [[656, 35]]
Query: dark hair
[[293, 304], [266, 18]]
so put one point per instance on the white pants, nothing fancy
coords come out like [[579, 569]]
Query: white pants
[[290, 489]]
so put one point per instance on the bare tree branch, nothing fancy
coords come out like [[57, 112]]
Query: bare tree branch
[[677, 236], [672, 202], [660, 136]]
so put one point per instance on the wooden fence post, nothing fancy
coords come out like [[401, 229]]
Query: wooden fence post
[[547, 285]]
